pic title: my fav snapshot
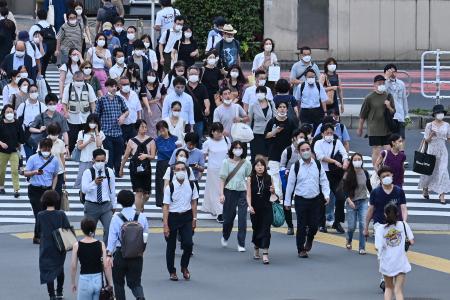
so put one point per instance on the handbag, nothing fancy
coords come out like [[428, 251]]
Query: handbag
[[65, 206], [423, 162], [76, 154], [391, 123], [374, 178], [407, 242], [106, 292], [241, 131], [278, 214], [330, 93], [51, 13], [64, 239]]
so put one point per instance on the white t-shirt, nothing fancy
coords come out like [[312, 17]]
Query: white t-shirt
[[217, 151], [173, 38], [98, 63], [86, 152], [8, 91], [178, 129], [166, 17], [151, 55], [134, 106], [69, 74], [116, 71], [250, 95], [78, 118], [390, 244], [31, 111]]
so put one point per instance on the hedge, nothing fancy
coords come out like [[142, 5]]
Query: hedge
[[246, 16]]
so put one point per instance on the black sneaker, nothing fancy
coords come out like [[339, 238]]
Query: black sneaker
[[382, 285], [2, 191], [338, 227], [290, 231], [16, 195], [323, 229], [219, 218]]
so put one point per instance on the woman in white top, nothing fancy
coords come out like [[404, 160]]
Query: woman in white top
[[216, 150], [176, 124], [178, 69], [67, 70], [89, 139], [100, 57], [149, 52], [265, 59], [390, 242], [12, 87]]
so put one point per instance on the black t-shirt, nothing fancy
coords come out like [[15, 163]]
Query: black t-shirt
[[184, 52], [198, 95], [211, 79], [278, 143]]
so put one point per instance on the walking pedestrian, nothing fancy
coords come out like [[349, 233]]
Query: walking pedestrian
[[233, 188], [229, 113], [142, 150], [308, 184], [150, 96], [167, 42], [394, 158], [229, 49], [69, 36], [71, 65], [258, 201], [331, 82], [251, 95], [437, 133], [91, 79], [12, 88], [92, 254], [133, 104], [51, 260], [179, 218], [298, 70], [176, 123], [99, 187], [282, 88], [181, 154]]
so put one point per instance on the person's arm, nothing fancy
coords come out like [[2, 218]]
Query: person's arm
[[404, 210], [166, 202], [290, 187], [62, 79], [325, 185], [73, 267], [378, 161], [113, 236], [125, 157], [55, 181], [249, 196], [106, 268], [152, 150], [194, 207], [207, 106], [98, 25]]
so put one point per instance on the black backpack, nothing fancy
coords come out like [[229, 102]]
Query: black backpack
[[110, 14], [172, 188], [49, 38], [83, 195], [135, 163]]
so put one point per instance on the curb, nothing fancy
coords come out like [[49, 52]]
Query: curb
[[419, 122]]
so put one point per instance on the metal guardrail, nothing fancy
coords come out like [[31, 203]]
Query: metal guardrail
[[403, 75], [437, 81]]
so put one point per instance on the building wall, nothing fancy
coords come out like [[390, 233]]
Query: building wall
[[22, 7], [366, 29]]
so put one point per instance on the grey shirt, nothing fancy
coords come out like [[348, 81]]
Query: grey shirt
[[361, 190], [258, 120], [225, 115], [57, 118]]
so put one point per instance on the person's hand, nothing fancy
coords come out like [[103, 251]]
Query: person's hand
[[359, 131], [39, 172], [387, 103], [193, 54], [56, 53], [236, 120], [206, 112], [149, 111], [432, 133], [251, 210], [351, 203], [194, 224], [272, 189], [288, 208], [74, 288], [222, 199], [121, 173], [345, 165], [3, 145], [109, 262], [366, 232], [334, 88], [99, 54], [121, 120], [166, 230], [161, 60], [327, 200], [338, 164], [91, 139], [98, 180], [113, 210], [142, 156], [42, 128], [226, 133]]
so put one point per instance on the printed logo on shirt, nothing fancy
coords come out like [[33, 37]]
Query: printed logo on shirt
[[393, 237]]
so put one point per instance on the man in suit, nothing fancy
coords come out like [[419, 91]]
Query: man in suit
[[17, 59]]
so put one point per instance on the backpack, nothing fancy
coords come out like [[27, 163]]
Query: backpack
[[110, 14], [135, 163], [131, 237], [302, 87], [172, 188], [83, 195], [297, 169], [49, 38]]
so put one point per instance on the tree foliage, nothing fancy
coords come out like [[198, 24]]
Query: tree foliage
[[245, 15]]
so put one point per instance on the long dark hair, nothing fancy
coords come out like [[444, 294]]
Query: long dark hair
[[350, 180], [391, 212], [92, 118], [241, 77]]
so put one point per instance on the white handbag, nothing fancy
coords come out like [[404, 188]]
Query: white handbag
[[241, 131], [374, 179], [51, 13]]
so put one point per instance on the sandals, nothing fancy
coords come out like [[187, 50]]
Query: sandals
[[442, 199], [348, 245], [266, 258], [256, 255]]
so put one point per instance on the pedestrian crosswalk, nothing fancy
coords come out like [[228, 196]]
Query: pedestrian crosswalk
[[19, 211]]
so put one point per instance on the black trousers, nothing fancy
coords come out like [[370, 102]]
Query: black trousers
[[34, 194], [179, 224], [336, 189], [313, 116], [161, 167], [73, 135], [59, 285], [308, 217], [128, 132], [129, 269]]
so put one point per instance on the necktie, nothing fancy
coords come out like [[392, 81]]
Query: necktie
[[99, 189]]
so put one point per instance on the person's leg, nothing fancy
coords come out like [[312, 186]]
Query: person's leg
[[138, 201], [134, 275], [362, 213], [313, 217], [83, 288], [351, 223], [60, 283], [119, 147], [14, 162], [389, 288], [96, 283], [92, 211], [242, 217], [34, 194], [376, 150], [198, 129], [329, 210], [51, 289], [339, 214], [398, 286], [108, 145], [4, 158], [301, 211], [105, 219], [171, 243], [119, 270], [58, 189], [274, 172], [229, 213], [186, 240]]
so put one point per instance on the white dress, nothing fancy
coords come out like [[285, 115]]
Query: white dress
[[217, 152], [177, 130], [390, 244], [439, 181]]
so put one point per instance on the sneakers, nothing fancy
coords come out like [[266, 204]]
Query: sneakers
[[241, 249], [224, 242], [329, 223], [290, 231], [323, 229], [219, 219], [303, 254]]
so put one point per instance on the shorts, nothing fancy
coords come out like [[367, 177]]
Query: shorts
[[378, 140]]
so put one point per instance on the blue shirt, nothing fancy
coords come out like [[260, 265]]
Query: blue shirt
[[109, 111], [51, 170], [113, 43], [17, 62], [379, 199], [116, 226], [195, 157], [285, 98], [311, 96], [342, 134], [165, 147]]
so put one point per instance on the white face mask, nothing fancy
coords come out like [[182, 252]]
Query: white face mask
[[387, 180], [381, 88], [17, 79], [261, 96], [45, 154], [237, 152], [306, 58], [53, 137], [34, 96], [229, 39], [36, 40], [24, 89], [306, 155], [23, 75], [310, 80], [126, 89], [234, 74], [79, 11], [87, 71], [268, 48], [180, 175], [182, 159], [101, 43], [357, 164], [120, 60], [439, 116], [188, 35], [151, 79], [147, 45], [178, 27], [9, 116], [119, 29], [300, 140], [138, 53], [78, 84], [227, 102], [92, 125], [130, 36], [20, 53], [51, 107], [331, 68], [211, 61], [176, 114], [282, 114], [72, 22], [261, 82], [328, 138], [193, 78], [75, 58], [99, 165]]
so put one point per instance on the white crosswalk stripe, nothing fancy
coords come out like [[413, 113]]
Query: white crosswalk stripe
[[19, 210]]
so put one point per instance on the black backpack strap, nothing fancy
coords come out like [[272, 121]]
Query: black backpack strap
[[342, 129], [92, 173], [289, 154], [136, 217], [192, 187], [318, 86], [122, 217], [334, 147], [167, 37], [40, 26], [302, 87], [171, 187], [171, 173]]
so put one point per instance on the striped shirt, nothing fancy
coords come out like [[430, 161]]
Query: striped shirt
[[109, 111], [70, 36]]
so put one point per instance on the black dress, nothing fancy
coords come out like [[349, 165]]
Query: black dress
[[51, 261], [262, 219]]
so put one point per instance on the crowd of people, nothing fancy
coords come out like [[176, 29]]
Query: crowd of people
[[122, 99]]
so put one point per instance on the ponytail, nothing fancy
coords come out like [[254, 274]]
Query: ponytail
[[391, 211]]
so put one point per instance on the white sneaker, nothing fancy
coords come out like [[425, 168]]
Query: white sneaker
[[329, 223], [224, 242], [241, 249]]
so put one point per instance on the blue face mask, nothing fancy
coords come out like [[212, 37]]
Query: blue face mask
[[107, 32]]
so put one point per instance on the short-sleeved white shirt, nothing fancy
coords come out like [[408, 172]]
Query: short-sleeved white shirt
[[166, 17], [134, 106], [69, 73], [86, 152], [98, 63], [173, 38], [181, 197]]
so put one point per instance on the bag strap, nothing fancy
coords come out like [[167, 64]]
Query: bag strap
[[47, 162], [406, 234], [235, 170], [122, 217], [334, 147], [136, 217], [289, 153]]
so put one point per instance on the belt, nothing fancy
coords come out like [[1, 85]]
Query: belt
[[98, 203], [41, 187], [180, 213], [313, 198]]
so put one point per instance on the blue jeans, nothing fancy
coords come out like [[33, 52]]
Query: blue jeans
[[329, 210], [198, 129], [29, 150], [89, 286], [359, 213]]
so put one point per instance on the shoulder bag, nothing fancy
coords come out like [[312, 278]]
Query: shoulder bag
[[374, 179], [64, 239], [241, 131], [235, 170], [423, 162], [407, 242]]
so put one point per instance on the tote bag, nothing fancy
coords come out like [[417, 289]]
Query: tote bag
[[423, 162], [51, 13], [241, 131]]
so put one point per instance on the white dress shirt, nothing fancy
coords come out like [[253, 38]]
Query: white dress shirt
[[89, 187], [187, 106], [258, 61], [307, 182], [116, 71], [323, 149], [78, 118], [250, 95], [181, 197], [173, 38], [134, 106]]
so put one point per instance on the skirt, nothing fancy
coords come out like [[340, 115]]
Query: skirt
[[211, 203]]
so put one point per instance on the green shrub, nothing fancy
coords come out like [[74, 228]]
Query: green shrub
[[246, 16]]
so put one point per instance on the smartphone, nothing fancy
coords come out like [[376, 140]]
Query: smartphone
[[101, 177], [192, 165], [40, 171]]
